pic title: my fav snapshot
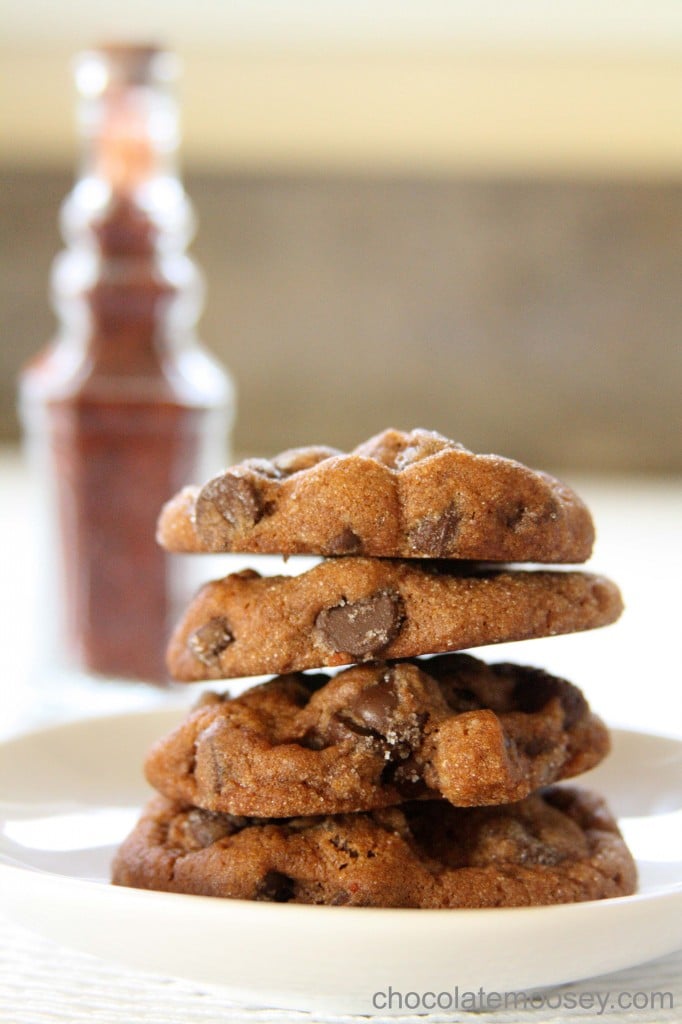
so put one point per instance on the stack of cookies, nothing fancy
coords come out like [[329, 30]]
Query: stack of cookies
[[417, 777]]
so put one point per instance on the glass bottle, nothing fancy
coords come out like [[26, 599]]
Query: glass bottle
[[125, 406]]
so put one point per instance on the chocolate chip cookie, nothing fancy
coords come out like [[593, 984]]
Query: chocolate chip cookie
[[451, 727], [557, 846], [347, 610], [397, 495]]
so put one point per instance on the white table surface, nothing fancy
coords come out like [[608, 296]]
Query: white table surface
[[630, 672]]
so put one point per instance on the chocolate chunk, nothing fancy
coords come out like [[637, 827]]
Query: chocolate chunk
[[436, 535], [535, 688], [346, 543], [210, 640], [312, 739], [296, 460], [461, 699], [215, 763], [224, 502], [341, 726], [339, 729], [342, 844], [363, 628], [375, 706], [206, 827], [516, 516], [469, 684], [375, 714], [276, 887], [534, 746], [512, 515], [263, 467], [574, 704]]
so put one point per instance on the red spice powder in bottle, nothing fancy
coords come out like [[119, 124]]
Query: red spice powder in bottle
[[125, 406]]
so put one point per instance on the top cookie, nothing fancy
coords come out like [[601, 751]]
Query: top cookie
[[398, 495]]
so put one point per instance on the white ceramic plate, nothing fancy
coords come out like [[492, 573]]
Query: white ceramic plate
[[72, 792]]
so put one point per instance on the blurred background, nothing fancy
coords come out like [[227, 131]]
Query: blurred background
[[460, 215]]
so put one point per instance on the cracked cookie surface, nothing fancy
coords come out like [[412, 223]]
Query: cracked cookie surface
[[560, 845], [376, 735], [347, 610], [398, 495]]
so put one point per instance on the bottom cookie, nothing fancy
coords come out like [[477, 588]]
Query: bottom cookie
[[560, 845]]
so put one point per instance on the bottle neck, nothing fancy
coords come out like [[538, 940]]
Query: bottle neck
[[127, 116], [129, 138], [128, 218], [128, 198]]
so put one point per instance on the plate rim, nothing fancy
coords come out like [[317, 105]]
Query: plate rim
[[362, 943]]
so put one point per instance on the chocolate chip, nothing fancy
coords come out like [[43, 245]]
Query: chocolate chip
[[574, 704], [345, 543], [313, 740], [461, 699], [512, 515], [339, 729], [537, 745], [341, 898], [375, 705], [209, 641], [436, 535], [339, 843], [227, 501], [206, 827], [215, 762], [517, 517], [276, 887], [263, 467], [362, 628], [375, 714], [535, 689], [295, 460], [342, 726]]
